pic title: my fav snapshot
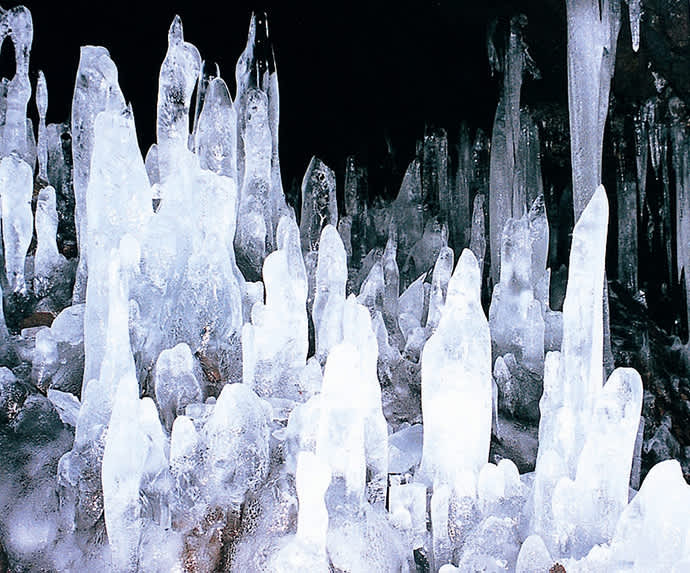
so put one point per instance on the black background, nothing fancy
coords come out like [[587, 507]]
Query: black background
[[352, 75]]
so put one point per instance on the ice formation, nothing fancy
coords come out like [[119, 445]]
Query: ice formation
[[226, 387]]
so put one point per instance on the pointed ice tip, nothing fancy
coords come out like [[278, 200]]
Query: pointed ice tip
[[176, 35], [218, 92], [466, 278]]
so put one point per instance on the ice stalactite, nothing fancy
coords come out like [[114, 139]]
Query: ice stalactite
[[508, 191], [592, 34], [680, 146], [627, 212], [635, 12]]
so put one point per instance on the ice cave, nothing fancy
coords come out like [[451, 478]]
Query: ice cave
[[202, 372]]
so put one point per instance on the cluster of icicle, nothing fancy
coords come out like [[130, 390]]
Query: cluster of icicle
[[205, 436]]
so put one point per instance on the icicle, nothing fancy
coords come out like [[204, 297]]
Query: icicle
[[592, 35], [635, 14]]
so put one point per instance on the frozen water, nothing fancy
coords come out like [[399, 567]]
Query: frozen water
[[16, 182], [234, 390], [456, 381]]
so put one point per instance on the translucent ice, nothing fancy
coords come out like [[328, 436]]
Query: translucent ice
[[16, 183], [592, 33], [42, 105], [176, 82], [331, 277], [96, 90], [216, 131], [237, 434], [47, 260], [18, 25], [175, 383], [319, 205], [456, 381]]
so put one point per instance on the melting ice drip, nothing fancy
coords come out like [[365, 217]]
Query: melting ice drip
[[196, 432]]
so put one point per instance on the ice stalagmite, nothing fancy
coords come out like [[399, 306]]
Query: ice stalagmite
[[319, 205], [408, 213], [237, 434], [603, 469], [207, 72], [118, 177], [391, 287], [216, 132], [573, 377], [306, 551], [459, 222], [47, 259], [175, 383], [434, 172], [592, 33], [443, 269], [341, 431], [176, 82], [124, 450], [203, 303], [18, 25], [96, 90], [275, 344], [358, 331], [42, 106], [329, 298], [519, 301], [582, 349], [456, 382], [254, 222], [16, 189], [478, 233]]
